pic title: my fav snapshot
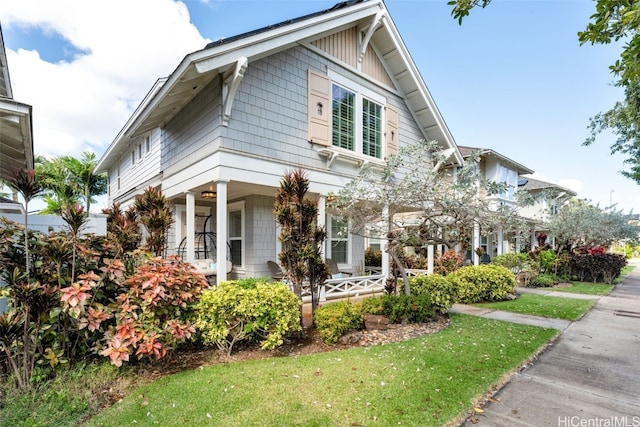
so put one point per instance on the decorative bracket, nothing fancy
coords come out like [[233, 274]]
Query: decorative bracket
[[375, 23], [230, 88]]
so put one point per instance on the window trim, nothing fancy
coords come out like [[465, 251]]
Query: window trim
[[232, 207], [361, 93], [330, 239]]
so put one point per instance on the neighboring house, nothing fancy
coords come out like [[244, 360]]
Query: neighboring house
[[549, 198], [327, 92], [495, 167], [16, 135]]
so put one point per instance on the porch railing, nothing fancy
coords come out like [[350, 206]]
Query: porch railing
[[347, 287]]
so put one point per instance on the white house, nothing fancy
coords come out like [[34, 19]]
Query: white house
[[327, 92]]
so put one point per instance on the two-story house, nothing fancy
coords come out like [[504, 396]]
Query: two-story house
[[327, 92], [494, 167]]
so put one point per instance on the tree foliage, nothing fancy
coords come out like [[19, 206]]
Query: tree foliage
[[580, 224], [300, 236], [413, 200]]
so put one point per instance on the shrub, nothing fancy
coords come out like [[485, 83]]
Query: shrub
[[516, 263], [372, 305], [544, 281], [599, 267], [253, 311], [408, 308], [372, 258], [448, 262], [442, 292], [333, 320], [483, 283]]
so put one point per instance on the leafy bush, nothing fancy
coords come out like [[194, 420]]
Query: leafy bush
[[442, 291], [448, 262], [408, 308], [544, 281], [598, 267], [372, 305], [333, 320], [515, 262], [254, 311], [483, 283], [372, 258]]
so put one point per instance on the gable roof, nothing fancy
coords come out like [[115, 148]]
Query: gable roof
[[533, 184], [219, 57], [521, 169], [16, 134]]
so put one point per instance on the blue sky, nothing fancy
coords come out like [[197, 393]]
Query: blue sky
[[512, 78]]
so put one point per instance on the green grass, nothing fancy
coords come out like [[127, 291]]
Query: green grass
[[591, 288], [428, 381], [545, 306], [64, 401]]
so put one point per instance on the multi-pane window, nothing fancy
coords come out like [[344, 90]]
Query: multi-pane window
[[235, 236], [339, 241], [356, 122], [509, 177], [371, 128], [343, 118]]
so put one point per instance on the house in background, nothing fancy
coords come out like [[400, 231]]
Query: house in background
[[328, 92], [549, 199], [495, 167], [16, 132]]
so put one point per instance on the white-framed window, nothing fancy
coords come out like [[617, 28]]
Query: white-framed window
[[357, 117], [338, 240], [510, 177], [235, 227]]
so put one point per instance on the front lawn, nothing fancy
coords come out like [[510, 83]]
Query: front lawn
[[545, 306], [588, 288], [427, 381]]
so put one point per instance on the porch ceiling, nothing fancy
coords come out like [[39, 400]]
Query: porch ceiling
[[16, 143]]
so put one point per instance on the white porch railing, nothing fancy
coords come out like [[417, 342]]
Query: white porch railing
[[347, 287], [412, 272]]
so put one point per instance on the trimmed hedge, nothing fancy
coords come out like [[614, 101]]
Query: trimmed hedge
[[483, 283], [443, 292], [333, 320]]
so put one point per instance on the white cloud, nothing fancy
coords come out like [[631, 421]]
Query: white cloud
[[81, 103], [571, 184]]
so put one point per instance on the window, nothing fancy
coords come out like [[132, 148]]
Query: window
[[510, 177], [338, 241], [362, 132], [371, 129], [147, 144], [236, 232], [343, 118]]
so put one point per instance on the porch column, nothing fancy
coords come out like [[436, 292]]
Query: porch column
[[322, 220], [500, 241], [384, 243], [430, 250], [476, 243], [221, 231], [533, 239], [191, 226]]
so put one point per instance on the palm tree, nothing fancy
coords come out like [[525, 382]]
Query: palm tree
[[87, 183]]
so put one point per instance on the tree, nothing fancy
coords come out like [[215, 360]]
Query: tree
[[300, 236], [412, 199], [580, 224], [68, 180]]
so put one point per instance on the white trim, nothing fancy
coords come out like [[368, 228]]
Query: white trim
[[233, 207]]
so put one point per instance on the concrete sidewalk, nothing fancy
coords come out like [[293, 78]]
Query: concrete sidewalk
[[590, 376]]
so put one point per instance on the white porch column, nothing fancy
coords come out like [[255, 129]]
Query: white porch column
[[430, 251], [191, 226], [322, 219], [476, 243], [386, 261], [533, 239], [500, 241], [221, 231]]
